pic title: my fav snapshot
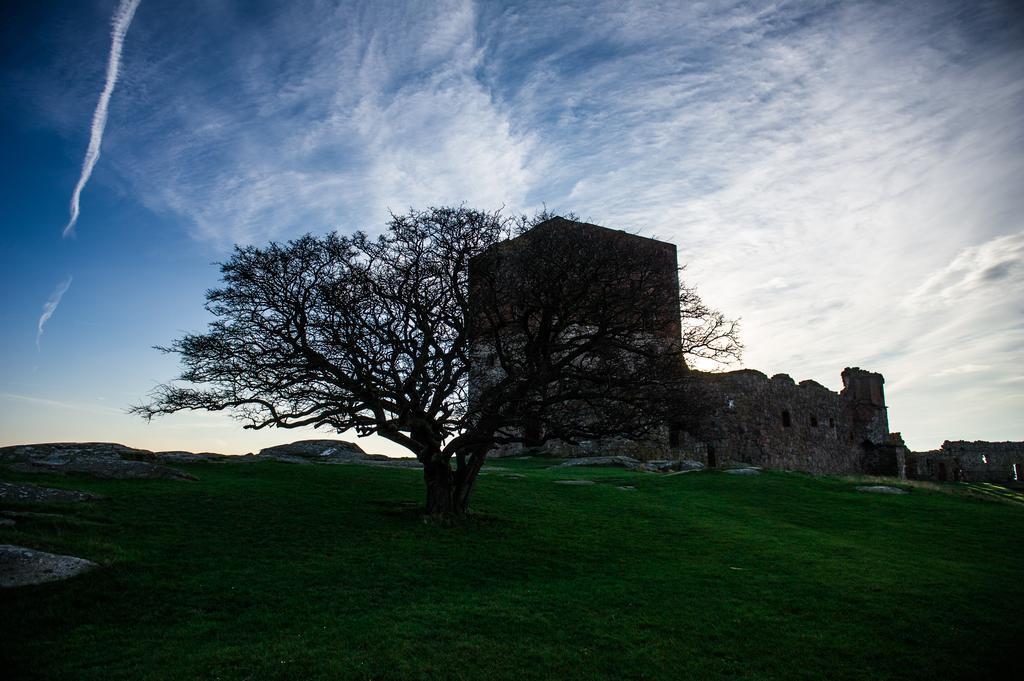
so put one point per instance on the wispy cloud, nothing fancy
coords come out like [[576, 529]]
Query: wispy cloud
[[324, 117], [50, 306], [121, 21], [843, 176], [59, 404], [987, 272], [965, 369]]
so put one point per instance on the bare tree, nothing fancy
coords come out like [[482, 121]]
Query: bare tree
[[379, 335]]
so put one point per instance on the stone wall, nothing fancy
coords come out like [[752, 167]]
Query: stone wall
[[749, 418], [970, 462], [778, 423], [655, 448], [888, 458]]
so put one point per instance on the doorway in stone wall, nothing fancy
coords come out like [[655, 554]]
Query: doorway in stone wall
[[712, 459], [942, 471]]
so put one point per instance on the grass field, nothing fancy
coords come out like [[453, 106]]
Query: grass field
[[277, 571]]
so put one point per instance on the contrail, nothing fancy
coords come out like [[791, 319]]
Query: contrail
[[50, 306], [122, 19]]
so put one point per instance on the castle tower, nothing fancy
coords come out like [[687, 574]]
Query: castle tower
[[563, 273], [866, 397]]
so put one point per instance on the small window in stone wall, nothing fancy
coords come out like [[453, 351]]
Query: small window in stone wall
[[814, 422], [984, 459], [831, 422], [786, 420], [1016, 473]]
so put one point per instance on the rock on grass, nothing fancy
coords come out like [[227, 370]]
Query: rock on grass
[[881, 489], [34, 493], [20, 566]]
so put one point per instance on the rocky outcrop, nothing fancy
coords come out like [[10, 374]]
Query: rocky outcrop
[[20, 566], [56, 453], [116, 461], [181, 457], [26, 492], [318, 449], [330, 452], [107, 469], [105, 460]]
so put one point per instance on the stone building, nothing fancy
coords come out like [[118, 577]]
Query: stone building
[[746, 417], [538, 298]]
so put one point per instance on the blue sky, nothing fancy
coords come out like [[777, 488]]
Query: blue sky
[[843, 176]]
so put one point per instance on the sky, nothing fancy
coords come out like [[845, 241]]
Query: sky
[[844, 177]]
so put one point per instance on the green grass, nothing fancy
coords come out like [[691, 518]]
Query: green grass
[[276, 571]]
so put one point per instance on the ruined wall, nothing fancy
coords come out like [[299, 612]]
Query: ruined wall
[[645, 450], [970, 462], [743, 417], [778, 423]]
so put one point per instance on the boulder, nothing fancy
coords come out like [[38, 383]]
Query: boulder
[[881, 489], [331, 452], [627, 462], [681, 466], [743, 471], [318, 449], [58, 453], [20, 566], [181, 457]]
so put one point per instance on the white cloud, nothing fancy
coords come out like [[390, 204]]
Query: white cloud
[[963, 369], [50, 306], [324, 120], [122, 20]]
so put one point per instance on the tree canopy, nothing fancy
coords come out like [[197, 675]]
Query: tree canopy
[[397, 335]]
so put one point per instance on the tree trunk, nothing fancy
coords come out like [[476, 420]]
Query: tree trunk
[[465, 481], [448, 491], [440, 488]]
